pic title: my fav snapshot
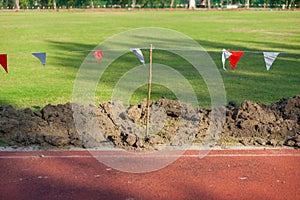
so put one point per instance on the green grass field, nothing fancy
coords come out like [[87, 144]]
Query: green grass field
[[29, 84]]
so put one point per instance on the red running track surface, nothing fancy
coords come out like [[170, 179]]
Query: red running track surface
[[222, 174]]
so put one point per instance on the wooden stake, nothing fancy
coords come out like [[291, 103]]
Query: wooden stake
[[149, 92]]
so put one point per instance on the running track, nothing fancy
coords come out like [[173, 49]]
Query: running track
[[222, 174]]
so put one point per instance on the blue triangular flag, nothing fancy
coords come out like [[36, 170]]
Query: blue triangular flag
[[41, 56], [139, 54]]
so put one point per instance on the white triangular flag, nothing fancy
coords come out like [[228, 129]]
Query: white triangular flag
[[270, 58], [225, 55], [139, 54]]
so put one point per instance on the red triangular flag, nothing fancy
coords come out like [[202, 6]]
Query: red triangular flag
[[3, 61], [98, 54], [235, 57]]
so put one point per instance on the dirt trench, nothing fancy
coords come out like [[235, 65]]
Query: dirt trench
[[171, 123]]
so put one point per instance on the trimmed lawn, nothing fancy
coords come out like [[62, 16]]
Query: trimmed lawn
[[59, 34]]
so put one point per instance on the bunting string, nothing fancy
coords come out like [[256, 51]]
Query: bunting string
[[233, 56], [177, 49], [154, 48]]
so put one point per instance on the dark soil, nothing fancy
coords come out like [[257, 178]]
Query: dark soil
[[171, 123]]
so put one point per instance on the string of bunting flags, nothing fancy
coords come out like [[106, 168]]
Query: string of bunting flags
[[39, 55], [233, 56]]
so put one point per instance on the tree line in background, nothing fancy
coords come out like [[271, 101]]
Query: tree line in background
[[67, 4]]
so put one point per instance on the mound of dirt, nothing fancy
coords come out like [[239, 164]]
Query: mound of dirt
[[171, 123]]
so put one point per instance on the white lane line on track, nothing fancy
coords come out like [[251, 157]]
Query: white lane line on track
[[154, 156]]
